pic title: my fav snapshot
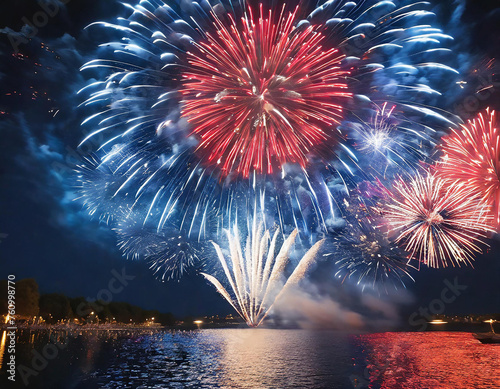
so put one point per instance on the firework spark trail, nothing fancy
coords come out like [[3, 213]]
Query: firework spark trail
[[298, 274], [472, 157], [255, 277], [438, 223]]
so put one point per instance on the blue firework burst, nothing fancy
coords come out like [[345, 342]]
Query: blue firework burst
[[146, 163]]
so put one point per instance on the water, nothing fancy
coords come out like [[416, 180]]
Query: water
[[251, 358], [444, 360]]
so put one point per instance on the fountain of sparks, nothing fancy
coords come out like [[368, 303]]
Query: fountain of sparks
[[255, 276]]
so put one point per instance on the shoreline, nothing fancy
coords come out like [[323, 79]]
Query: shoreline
[[448, 327]]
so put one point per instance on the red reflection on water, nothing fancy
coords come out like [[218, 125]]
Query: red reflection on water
[[444, 360]]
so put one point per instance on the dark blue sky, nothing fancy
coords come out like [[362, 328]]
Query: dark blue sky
[[52, 240]]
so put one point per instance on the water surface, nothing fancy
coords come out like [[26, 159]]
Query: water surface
[[252, 358]]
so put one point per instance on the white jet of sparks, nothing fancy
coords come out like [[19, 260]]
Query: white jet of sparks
[[254, 275]]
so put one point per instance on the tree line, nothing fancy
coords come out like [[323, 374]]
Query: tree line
[[56, 307]]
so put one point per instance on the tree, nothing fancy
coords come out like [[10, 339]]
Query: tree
[[103, 311], [54, 307], [166, 319], [121, 312], [138, 315], [80, 307]]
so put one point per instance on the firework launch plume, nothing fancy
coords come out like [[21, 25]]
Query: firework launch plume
[[437, 223], [254, 275]]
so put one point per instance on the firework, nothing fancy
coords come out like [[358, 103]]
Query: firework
[[472, 157], [263, 94], [200, 110], [168, 252], [254, 275], [391, 142], [377, 137], [364, 253], [98, 185], [174, 256], [478, 85], [438, 223]]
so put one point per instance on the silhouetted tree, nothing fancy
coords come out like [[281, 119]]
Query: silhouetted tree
[[166, 319], [54, 307]]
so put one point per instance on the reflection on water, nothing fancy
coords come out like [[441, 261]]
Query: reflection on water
[[444, 360], [286, 359], [2, 347], [231, 358], [255, 358], [222, 358]]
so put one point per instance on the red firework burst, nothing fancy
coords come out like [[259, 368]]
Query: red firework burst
[[262, 93], [472, 156], [437, 223]]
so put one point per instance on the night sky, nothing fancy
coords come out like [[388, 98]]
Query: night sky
[[46, 235]]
